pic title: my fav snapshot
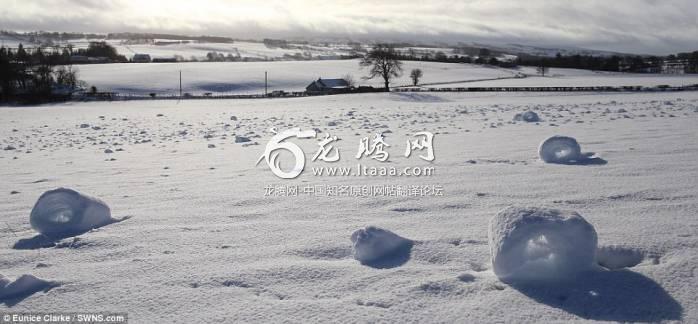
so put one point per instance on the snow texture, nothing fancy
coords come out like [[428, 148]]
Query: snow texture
[[617, 257], [378, 247], [560, 149], [531, 244], [64, 212], [205, 232], [24, 286]]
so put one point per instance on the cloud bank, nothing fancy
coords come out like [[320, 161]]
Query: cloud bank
[[640, 26]]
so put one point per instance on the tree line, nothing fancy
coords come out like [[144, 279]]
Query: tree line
[[44, 74], [611, 63], [615, 63]]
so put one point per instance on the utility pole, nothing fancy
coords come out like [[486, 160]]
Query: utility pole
[[180, 83], [265, 83]]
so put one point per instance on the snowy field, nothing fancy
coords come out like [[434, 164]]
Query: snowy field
[[203, 244], [188, 49], [199, 50], [248, 77], [568, 78], [557, 77]]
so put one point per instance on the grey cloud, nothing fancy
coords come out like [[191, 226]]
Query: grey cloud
[[643, 26]]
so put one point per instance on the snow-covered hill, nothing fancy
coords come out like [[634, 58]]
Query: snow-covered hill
[[205, 244], [248, 77]]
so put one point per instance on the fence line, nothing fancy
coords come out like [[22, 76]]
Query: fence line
[[134, 96], [553, 89]]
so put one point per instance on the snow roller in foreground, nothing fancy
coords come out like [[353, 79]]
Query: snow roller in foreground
[[64, 212], [372, 244], [560, 149], [531, 244]]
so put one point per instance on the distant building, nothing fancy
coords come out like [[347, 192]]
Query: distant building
[[99, 59], [674, 66], [328, 86], [141, 58], [79, 59], [164, 60], [274, 43], [328, 57]]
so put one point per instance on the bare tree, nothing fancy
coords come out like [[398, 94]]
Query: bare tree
[[350, 80], [67, 76], [542, 69], [382, 61], [415, 75]]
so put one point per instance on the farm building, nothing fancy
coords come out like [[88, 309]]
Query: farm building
[[141, 58], [328, 86]]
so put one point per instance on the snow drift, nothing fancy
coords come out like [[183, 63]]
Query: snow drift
[[560, 149], [63, 212], [22, 287], [373, 246], [540, 244]]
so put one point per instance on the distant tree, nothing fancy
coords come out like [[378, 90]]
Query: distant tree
[[383, 62], [415, 75], [356, 46], [67, 76], [542, 68], [350, 80], [21, 53], [101, 49], [484, 52], [42, 73]]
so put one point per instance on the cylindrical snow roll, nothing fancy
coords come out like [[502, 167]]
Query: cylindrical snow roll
[[530, 117], [540, 244], [65, 211], [373, 243], [560, 149]]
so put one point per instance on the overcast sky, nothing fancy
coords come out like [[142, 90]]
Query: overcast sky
[[639, 26]]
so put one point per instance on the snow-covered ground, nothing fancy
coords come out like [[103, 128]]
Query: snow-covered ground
[[248, 77], [584, 78], [188, 49], [242, 49], [204, 244]]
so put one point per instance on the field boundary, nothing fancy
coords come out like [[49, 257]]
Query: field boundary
[[116, 96], [552, 89]]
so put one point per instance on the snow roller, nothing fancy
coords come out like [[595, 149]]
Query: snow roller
[[560, 149], [531, 243], [64, 212]]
